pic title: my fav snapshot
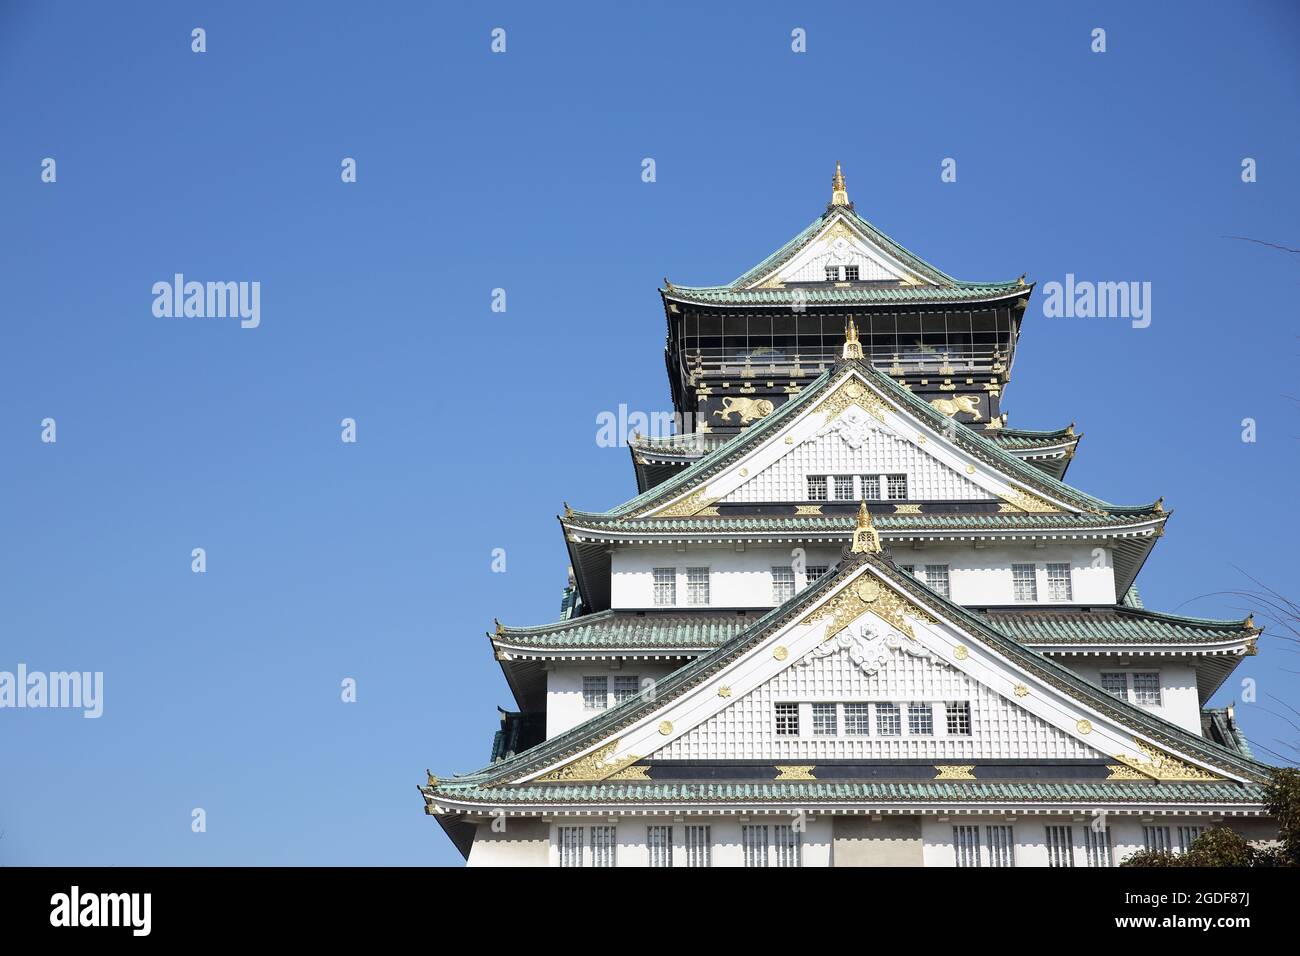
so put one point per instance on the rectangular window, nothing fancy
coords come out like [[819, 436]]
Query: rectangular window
[[966, 843], [665, 587], [1115, 683], [1022, 582], [782, 584], [1002, 846], [816, 487], [570, 841], [850, 273], [897, 487], [659, 841], [1096, 841], [870, 487], [603, 846], [626, 687], [1146, 688], [1060, 846], [888, 722], [787, 720], [920, 720], [753, 840], [857, 720], [699, 846], [1156, 839], [843, 487], [1058, 583], [595, 693], [825, 720], [1186, 835], [789, 846], [936, 576], [832, 273], [814, 571], [908, 569], [697, 585], [958, 713]]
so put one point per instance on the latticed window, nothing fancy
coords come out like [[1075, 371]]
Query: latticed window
[[782, 584], [699, 847], [787, 720], [850, 273], [966, 843], [843, 487], [570, 846], [1156, 839], [936, 575], [1002, 847], [1023, 585], [832, 273], [659, 841], [896, 485], [1058, 583], [908, 569], [753, 841], [595, 693], [1146, 688], [857, 720], [816, 487], [920, 719], [814, 571], [788, 844], [626, 687], [1060, 846], [1115, 683], [870, 487], [825, 720], [958, 713], [665, 587], [697, 585], [1096, 843], [604, 846], [888, 721], [1186, 835]]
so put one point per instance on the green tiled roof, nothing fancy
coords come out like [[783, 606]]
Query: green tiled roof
[[844, 524], [1113, 625], [1135, 791], [1108, 625], [972, 442], [722, 295], [1020, 438]]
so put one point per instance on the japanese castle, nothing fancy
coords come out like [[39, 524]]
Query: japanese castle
[[852, 618]]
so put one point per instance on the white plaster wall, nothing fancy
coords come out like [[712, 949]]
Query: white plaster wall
[[1179, 701], [564, 688], [977, 576]]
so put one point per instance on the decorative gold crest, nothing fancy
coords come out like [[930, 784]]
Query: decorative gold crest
[[960, 652], [1084, 726], [798, 772], [955, 771], [868, 595], [665, 727], [780, 653], [1162, 766], [594, 766]]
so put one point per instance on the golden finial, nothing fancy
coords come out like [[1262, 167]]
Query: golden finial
[[668, 285], [568, 512], [1250, 619], [1020, 283], [852, 346], [839, 192], [500, 629], [866, 539], [433, 781], [1160, 504]]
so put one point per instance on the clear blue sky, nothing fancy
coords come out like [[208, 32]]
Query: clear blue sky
[[372, 560]]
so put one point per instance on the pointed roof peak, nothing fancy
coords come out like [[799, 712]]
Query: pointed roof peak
[[839, 192], [866, 539]]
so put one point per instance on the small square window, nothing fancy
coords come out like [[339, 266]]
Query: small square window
[[870, 487], [897, 487], [1146, 689], [825, 720], [908, 569], [816, 487], [843, 487], [1058, 583], [857, 721], [814, 571], [665, 587], [832, 273], [850, 273], [958, 714], [920, 720], [626, 687], [1115, 683], [1023, 585], [888, 720], [782, 584], [787, 720], [595, 693]]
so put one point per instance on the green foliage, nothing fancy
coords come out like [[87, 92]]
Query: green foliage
[[1283, 802]]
